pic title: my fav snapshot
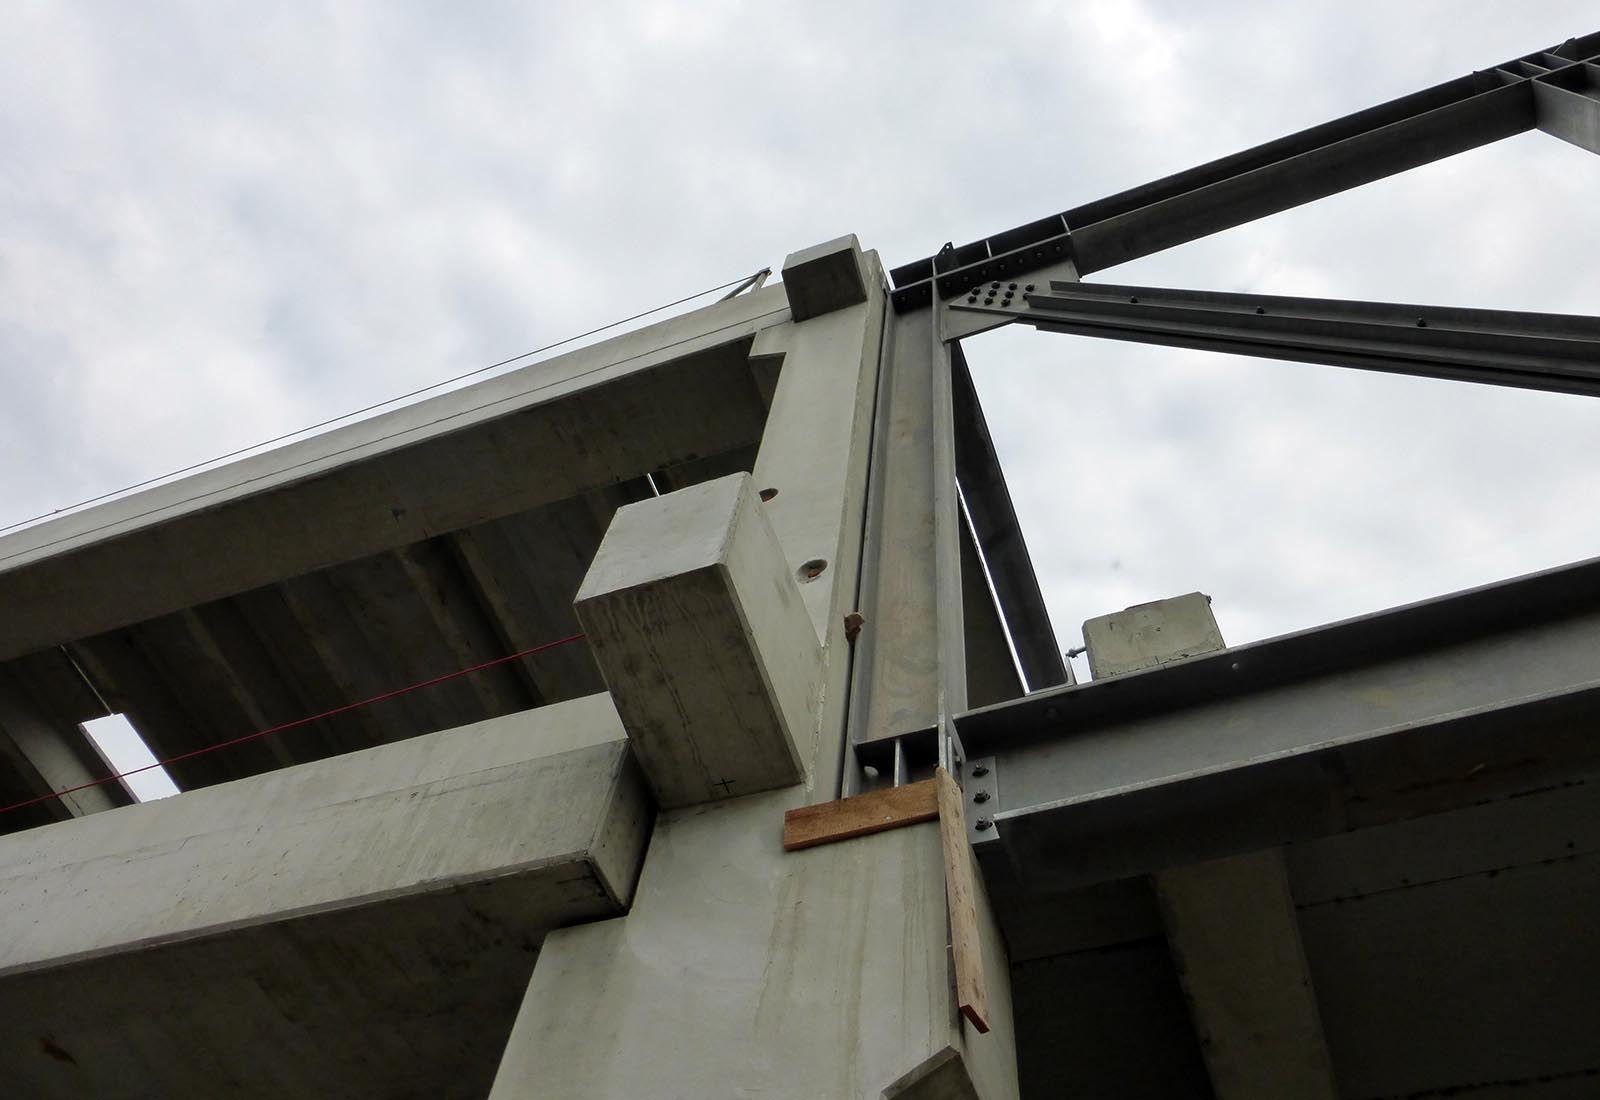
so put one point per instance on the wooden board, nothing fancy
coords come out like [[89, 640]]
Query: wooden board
[[972, 995], [890, 808]]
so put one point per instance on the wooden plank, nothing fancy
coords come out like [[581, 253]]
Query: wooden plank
[[972, 995], [873, 812]]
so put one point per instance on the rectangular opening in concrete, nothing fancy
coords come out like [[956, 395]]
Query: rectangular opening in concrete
[[125, 751]]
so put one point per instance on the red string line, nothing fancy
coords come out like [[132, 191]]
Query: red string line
[[297, 722]]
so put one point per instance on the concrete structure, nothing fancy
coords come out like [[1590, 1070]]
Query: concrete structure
[[699, 629], [1356, 861]]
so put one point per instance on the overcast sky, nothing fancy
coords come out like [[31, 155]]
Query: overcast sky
[[219, 222]]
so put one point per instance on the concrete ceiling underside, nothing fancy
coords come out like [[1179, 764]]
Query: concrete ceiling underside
[[1428, 944], [409, 999], [470, 560]]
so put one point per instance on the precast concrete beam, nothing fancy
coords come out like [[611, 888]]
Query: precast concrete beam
[[50, 755], [534, 435], [1230, 922], [699, 628], [1235, 938], [359, 926]]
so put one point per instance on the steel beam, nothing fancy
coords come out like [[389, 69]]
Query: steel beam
[[897, 654], [999, 535], [1370, 145], [1438, 122], [947, 530], [1541, 351], [1568, 105], [1484, 694]]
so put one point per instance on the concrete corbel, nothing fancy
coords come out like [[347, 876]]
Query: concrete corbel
[[699, 628]]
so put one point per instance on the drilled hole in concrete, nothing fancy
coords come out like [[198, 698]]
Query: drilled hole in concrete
[[768, 494], [812, 569]]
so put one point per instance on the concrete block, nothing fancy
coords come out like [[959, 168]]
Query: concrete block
[[698, 626], [1151, 634], [825, 277]]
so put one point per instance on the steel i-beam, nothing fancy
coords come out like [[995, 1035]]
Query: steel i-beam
[[1543, 351], [1553, 90], [1486, 694]]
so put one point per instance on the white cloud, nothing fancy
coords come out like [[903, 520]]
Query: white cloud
[[220, 222]]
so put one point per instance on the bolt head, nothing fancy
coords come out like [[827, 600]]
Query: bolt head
[[981, 796], [983, 825], [980, 769]]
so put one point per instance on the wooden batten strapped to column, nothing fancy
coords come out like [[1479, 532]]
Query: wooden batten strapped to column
[[972, 992]]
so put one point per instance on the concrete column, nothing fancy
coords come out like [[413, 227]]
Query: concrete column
[[745, 970], [742, 969]]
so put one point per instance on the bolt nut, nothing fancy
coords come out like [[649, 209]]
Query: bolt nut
[[980, 770], [852, 626], [981, 796], [983, 824]]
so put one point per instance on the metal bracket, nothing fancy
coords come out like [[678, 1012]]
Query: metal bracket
[[981, 789]]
